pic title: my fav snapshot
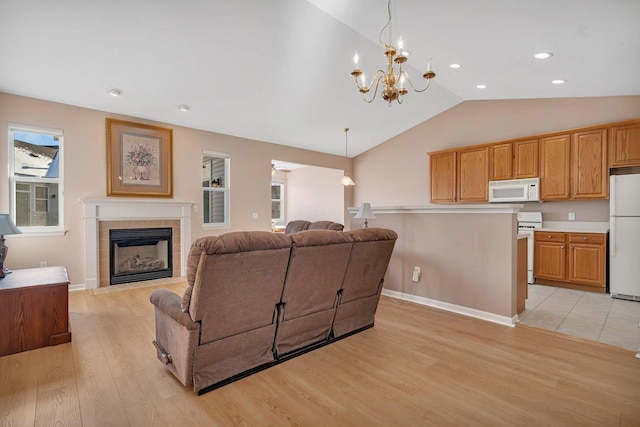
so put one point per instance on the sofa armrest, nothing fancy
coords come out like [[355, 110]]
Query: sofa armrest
[[170, 304]]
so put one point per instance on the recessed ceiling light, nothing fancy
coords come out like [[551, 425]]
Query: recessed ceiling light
[[543, 55], [114, 92], [481, 86], [558, 81], [184, 107], [455, 65]]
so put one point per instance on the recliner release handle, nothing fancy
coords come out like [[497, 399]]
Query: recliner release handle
[[166, 357]]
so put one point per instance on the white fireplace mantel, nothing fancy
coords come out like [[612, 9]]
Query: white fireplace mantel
[[96, 210]]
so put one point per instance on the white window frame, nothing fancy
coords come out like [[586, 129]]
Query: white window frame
[[281, 220], [226, 190], [39, 230]]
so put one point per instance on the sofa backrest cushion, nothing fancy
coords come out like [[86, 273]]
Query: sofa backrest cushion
[[326, 225], [296, 226], [370, 257], [237, 280], [317, 266]]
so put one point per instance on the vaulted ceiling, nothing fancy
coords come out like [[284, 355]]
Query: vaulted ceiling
[[279, 70]]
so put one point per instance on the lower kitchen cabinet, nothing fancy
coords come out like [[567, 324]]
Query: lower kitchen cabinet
[[571, 260]]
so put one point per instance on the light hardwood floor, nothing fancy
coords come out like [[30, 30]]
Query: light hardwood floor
[[417, 366]]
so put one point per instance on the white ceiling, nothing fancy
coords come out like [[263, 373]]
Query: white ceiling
[[278, 70]]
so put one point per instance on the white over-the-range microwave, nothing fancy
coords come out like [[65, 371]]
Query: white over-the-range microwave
[[514, 190]]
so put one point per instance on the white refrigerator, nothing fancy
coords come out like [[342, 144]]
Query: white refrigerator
[[624, 236]]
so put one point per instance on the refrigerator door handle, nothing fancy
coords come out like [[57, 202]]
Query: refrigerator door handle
[[612, 237]]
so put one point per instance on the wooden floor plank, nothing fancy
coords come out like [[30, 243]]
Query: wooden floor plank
[[417, 366]]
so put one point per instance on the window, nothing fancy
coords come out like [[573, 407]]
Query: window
[[215, 189], [277, 202], [35, 178]]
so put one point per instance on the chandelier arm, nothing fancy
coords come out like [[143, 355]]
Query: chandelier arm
[[375, 92], [376, 77], [406, 77]]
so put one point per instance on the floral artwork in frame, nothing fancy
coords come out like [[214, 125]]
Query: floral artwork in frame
[[139, 160]]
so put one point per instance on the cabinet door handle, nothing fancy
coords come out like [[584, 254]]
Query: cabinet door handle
[[563, 247], [571, 248], [585, 238], [548, 237]]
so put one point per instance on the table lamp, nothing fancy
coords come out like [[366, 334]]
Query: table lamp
[[365, 213], [6, 227]]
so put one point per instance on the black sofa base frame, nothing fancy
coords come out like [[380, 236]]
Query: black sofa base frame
[[279, 359]]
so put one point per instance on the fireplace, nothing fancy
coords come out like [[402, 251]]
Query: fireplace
[[137, 254]]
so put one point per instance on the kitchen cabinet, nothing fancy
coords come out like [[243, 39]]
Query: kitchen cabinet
[[624, 145], [513, 160], [549, 256], [473, 175], [574, 166], [443, 177], [460, 175], [589, 169], [574, 260], [555, 178]]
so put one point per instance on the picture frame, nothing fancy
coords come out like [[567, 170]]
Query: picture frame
[[139, 159]]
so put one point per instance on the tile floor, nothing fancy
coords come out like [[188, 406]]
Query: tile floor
[[596, 317]]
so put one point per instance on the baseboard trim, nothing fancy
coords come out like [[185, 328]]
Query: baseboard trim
[[78, 287], [465, 311]]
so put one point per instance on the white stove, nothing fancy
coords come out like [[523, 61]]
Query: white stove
[[527, 223]]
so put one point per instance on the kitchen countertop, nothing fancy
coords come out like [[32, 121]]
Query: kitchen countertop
[[522, 236], [574, 226]]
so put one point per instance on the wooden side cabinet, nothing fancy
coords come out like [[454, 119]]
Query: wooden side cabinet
[[572, 260], [34, 309]]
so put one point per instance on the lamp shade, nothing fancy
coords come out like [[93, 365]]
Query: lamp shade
[[346, 180], [365, 212], [7, 226]]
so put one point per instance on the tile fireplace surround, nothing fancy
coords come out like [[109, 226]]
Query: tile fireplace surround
[[102, 215]]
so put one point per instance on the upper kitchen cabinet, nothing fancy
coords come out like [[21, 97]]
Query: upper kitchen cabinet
[[460, 175], [574, 166], [513, 160], [589, 171], [443, 177], [555, 155], [624, 145], [473, 175]]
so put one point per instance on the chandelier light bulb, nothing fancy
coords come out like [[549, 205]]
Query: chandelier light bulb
[[356, 59], [400, 44], [363, 80]]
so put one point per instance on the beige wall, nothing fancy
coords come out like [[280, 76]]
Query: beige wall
[[464, 259], [445, 247], [315, 194], [85, 175]]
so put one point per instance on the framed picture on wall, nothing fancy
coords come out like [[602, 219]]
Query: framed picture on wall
[[139, 160]]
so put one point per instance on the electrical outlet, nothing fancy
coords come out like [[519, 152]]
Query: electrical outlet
[[195, 208], [254, 215], [572, 216], [43, 264], [416, 274]]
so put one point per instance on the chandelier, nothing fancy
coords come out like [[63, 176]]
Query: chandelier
[[394, 79]]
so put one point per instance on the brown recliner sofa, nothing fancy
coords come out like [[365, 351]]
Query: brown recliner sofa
[[255, 299], [302, 225]]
